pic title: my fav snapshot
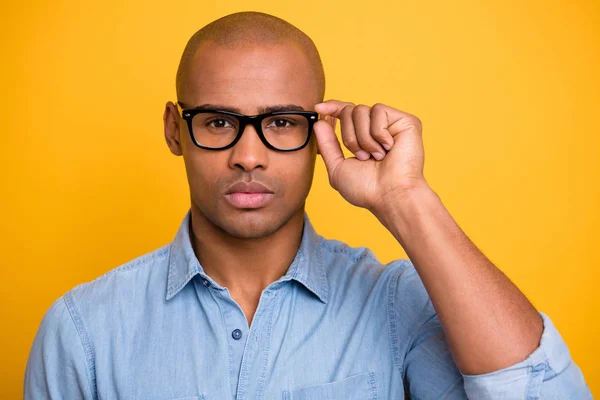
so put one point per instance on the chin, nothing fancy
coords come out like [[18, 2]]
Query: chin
[[250, 224]]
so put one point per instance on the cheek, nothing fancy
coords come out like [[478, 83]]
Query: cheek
[[203, 172], [298, 175]]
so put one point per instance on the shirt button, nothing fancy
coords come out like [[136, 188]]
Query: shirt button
[[236, 334], [205, 282]]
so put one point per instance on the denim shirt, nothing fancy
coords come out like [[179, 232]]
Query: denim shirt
[[339, 325]]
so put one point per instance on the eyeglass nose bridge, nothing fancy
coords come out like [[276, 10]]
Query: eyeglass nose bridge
[[256, 122]]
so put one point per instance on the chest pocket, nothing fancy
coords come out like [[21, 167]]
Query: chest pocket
[[357, 387]]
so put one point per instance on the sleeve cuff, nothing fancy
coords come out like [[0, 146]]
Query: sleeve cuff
[[523, 379]]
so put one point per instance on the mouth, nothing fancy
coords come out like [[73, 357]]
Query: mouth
[[249, 200], [249, 195]]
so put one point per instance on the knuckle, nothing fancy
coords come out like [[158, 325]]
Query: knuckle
[[349, 142], [378, 107], [347, 109], [379, 134], [415, 121], [418, 125], [360, 109]]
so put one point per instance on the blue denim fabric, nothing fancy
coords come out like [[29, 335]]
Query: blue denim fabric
[[339, 325]]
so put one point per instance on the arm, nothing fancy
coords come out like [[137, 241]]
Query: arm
[[57, 367], [430, 373], [488, 322]]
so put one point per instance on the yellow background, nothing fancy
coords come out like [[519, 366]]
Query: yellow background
[[508, 92]]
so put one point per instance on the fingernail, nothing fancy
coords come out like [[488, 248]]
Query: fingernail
[[361, 155], [387, 146], [378, 156]]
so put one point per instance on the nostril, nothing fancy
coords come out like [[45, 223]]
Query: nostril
[[249, 167]]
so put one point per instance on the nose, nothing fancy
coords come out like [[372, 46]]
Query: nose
[[249, 152]]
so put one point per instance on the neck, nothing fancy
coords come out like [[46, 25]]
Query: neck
[[245, 266]]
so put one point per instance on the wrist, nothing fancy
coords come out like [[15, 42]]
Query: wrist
[[397, 209], [391, 200]]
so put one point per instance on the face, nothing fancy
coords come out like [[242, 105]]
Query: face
[[248, 79]]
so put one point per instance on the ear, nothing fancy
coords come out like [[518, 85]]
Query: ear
[[172, 123]]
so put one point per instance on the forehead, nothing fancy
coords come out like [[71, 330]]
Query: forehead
[[250, 76]]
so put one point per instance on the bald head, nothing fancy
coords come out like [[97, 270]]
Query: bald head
[[250, 29]]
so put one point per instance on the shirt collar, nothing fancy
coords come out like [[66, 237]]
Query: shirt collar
[[307, 267]]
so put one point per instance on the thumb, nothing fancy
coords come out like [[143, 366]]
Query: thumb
[[329, 146]]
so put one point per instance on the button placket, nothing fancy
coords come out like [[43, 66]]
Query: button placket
[[256, 352], [233, 319]]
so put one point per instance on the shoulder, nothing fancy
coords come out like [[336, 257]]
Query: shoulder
[[138, 268], [397, 282], [359, 266], [59, 356], [339, 257], [124, 285], [57, 322]]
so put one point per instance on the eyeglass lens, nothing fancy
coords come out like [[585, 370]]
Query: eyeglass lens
[[283, 131]]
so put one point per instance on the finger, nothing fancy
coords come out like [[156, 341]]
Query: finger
[[343, 111], [398, 121], [329, 146], [362, 126], [331, 121], [379, 126], [349, 134], [333, 108]]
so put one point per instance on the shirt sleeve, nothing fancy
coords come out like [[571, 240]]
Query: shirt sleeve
[[429, 372], [57, 367], [419, 346], [548, 373]]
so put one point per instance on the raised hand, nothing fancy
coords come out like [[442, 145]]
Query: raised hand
[[388, 148]]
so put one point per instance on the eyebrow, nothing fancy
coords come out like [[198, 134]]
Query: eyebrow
[[261, 110]]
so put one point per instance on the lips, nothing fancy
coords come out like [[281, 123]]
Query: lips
[[248, 187], [249, 195]]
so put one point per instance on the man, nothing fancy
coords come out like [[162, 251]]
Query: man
[[249, 302]]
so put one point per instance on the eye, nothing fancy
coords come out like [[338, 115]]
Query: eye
[[219, 123], [281, 123]]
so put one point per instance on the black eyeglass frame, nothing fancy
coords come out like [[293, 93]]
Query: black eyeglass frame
[[254, 120]]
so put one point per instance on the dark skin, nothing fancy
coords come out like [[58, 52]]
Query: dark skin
[[245, 250], [488, 322]]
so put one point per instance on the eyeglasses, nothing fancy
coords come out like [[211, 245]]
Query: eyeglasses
[[220, 130]]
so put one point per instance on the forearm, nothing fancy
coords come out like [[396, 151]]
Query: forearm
[[488, 322]]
